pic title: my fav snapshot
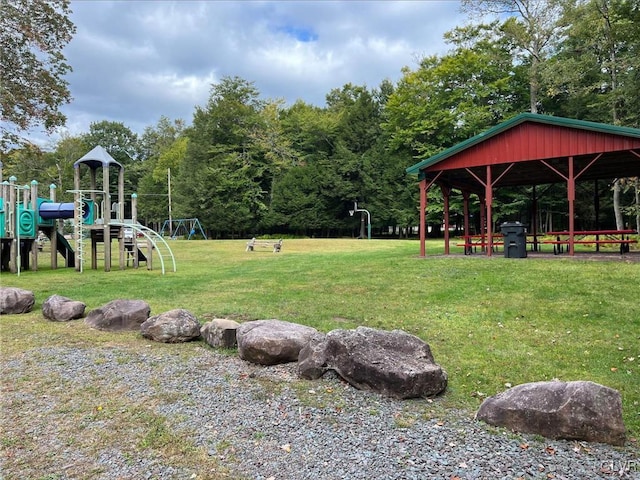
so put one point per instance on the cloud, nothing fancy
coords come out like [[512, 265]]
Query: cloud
[[136, 61]]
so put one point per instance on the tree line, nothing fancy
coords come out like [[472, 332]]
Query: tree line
[[247, 165]]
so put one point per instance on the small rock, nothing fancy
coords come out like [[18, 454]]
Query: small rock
[[220, 333]]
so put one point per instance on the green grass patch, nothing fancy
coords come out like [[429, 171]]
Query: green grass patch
[[490, 322]]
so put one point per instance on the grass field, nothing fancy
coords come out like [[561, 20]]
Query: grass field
[[491, 322]]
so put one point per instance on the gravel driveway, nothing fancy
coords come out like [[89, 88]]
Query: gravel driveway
[[77, 413]]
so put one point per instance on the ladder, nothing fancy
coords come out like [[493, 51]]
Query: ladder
[[157, 241], [79, 230]]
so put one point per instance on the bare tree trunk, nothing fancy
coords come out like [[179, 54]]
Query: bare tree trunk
[[617, 210], [534, 84]]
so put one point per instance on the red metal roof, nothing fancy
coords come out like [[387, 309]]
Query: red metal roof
[[599, 151]]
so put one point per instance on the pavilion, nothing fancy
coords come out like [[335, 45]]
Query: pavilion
[[526, 150]]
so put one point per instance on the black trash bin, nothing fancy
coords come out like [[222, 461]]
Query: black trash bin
[[515, 239]]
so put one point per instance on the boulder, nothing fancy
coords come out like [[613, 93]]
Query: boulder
[[312, 361], [62, 309], [220, 333], [559, 410], [393, 363], [270, 342], [15, 300], [174, 326], [119, 315]]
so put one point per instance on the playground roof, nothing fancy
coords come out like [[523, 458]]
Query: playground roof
[[532, 149], [98, 157]]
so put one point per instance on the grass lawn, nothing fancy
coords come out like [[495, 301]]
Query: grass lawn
[[491, 322]]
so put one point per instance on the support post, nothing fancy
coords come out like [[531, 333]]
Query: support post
[[107, 218], [489, 202], [446, 192], [571, 196], [134, 220], [467, 233], [54, 231], [34, 207], [534, 221], [76, 216], [423, 216], [12, 231]]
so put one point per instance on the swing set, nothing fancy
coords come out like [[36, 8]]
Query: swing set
[[186, 227]]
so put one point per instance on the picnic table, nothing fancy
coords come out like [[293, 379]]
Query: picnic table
[[471, 243], [591, 237]]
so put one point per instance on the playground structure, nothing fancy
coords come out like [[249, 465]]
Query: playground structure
[[24, 217]]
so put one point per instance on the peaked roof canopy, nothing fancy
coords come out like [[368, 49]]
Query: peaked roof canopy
[[532, 149], [98, 157]]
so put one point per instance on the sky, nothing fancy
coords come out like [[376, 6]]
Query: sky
[[135, 61]]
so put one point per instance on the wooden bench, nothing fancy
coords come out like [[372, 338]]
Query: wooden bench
[[253, 243]]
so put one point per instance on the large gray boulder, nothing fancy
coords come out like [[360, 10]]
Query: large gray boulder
[[175, 326], [119, 315], [270, 342], [15, 300], [62, 309], [393, 363], [566, 410], [220, 333]]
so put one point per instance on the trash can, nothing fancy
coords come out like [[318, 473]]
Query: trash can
[[515, 239]]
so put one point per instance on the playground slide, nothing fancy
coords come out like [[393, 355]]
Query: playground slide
[[64, 247], [141, 256], [52, 210]]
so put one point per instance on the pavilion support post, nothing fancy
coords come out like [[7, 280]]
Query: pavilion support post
[[423, 216], [465, 207], [534, 217], [571, 196], [483, 219], [596, 207], [446, 194], [488, 203]]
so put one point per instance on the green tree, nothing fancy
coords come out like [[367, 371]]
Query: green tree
[[594, 73], [223, 174], [119, 140], [163, 148], [33, 34], [67, 151], [122, 144], [26, 163], [301, 194], [449, 99], [534, 29]]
